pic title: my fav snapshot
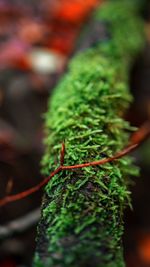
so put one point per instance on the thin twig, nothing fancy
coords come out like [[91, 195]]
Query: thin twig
[[136, 139], [120, 154], [30, 191]]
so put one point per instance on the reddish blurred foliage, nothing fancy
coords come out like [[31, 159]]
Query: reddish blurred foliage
[[74, 11], [55, 27], [140, 256], [144, 249]]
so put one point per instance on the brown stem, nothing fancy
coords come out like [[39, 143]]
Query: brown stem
[[62, 154]]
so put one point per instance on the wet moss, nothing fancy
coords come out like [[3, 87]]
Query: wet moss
[[83, 208]]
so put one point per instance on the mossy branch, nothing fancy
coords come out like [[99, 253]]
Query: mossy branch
[[81, 222]]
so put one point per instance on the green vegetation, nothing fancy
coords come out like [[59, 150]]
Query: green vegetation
[[83, 209]]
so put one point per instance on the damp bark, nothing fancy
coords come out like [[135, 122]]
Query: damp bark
[[81, 219]]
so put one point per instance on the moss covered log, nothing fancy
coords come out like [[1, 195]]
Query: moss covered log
[[81, 221]]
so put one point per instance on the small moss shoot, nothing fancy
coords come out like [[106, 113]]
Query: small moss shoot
[[82, 212]]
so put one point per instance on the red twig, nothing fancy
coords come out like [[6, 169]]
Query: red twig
[[137, 138], [102, 161], [30, 191]]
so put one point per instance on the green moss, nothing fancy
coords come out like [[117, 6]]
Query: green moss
[[83, 208]]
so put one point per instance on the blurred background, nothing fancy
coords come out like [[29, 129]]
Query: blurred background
[[36, 42]]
